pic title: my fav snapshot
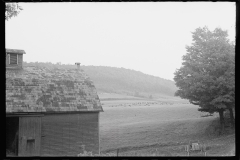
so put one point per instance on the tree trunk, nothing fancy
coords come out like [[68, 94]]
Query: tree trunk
[[220, 111], [232, 120]]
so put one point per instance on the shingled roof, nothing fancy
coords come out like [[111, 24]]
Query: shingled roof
[[38, 89]]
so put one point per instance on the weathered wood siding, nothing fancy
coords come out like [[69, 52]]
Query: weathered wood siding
[[64, 134], [16, 61], [29, 136], [7, 59], [20, 60]]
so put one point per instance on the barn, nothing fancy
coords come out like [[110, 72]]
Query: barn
[[49, 112]]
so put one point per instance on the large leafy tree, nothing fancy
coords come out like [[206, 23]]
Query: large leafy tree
[[11, 9], [207, 75]]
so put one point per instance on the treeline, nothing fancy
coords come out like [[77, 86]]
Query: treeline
[[120, 80]]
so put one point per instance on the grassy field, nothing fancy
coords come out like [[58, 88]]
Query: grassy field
[[141, 127], [115, 96]]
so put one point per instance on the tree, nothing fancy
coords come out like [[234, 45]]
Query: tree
[[207, 75], [12, 9]]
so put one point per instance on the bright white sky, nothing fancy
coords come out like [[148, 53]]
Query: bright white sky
[[145, 36]]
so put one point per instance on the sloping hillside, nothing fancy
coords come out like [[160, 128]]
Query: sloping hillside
[[112, 79], [121, 80]]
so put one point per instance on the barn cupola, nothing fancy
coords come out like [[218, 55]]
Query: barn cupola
[[14, 58]]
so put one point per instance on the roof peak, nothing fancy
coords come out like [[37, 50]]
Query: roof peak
[[17, 51]]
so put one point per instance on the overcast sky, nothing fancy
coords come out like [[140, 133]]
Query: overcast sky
[[147, 36]]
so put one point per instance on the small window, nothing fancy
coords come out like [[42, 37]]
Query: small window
[[13, 59]]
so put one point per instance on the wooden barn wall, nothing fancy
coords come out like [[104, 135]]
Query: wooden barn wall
[[20, 60], [64, 134], [29, 136], [7, 59]]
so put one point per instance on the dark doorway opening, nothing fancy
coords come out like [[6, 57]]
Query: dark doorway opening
[[12, 128]]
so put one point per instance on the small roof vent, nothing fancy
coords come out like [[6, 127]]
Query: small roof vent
[[78, 65]]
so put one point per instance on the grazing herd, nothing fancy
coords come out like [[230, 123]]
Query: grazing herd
[[141, 104]]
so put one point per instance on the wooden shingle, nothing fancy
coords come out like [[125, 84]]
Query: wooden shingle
[[50, 90]]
